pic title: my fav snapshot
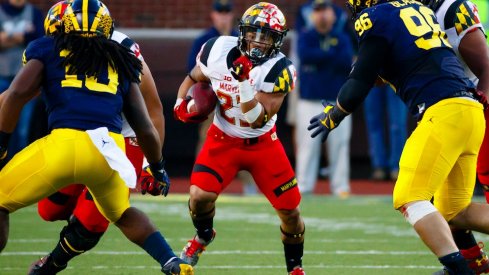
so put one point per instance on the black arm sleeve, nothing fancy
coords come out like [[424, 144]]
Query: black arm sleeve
[[371, 56]]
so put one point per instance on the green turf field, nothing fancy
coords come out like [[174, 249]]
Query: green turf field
[[360, 235]]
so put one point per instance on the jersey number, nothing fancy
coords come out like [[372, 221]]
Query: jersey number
[[421, 22], [362, 24], [91, 83], [227, 103]]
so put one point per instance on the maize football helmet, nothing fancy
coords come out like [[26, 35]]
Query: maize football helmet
[[262, 24], [357, 6], [432, 4], [52, 22], [88, 18]]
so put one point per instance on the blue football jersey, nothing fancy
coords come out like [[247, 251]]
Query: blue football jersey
[[420, 63], [77, 101]]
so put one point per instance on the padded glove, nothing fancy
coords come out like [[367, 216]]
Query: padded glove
[[326, 121], [241, 68], [158, 183], [181, 113]]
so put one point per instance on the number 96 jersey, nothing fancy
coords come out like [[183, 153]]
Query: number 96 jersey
[[276, 75], [420, 63]]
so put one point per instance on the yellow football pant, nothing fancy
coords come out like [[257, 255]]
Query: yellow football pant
[[440, 157], [62, 158]]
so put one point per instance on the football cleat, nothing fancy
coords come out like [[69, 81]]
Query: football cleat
[[476, 258], [176, 266], [194, 248], [297, 271], [45, 266]]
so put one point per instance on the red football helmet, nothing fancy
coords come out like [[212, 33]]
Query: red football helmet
[[262, 25], [52, 22]]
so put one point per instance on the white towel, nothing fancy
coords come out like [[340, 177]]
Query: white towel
[[115, 157]]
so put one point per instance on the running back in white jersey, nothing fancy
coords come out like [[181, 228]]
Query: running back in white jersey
[[276, 75], [457, 18], [128, 43]]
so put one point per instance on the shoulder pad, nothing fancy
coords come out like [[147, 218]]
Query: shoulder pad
[[38, 49], [461, 14], [127, 43], [206, 50], [282, 76]]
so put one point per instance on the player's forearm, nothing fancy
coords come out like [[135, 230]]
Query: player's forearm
[[352, 94], [152, 101], [10, 111], [184, 87], [150, 145]]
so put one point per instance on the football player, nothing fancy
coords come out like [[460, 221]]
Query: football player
[[74, 203], [251, 78], [84, 98], [402, 42], [468, 40]]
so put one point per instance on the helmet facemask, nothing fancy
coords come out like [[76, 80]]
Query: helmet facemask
[[262, 29], [259, 44]]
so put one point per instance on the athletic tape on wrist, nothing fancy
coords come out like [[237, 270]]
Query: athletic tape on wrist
[[254, 113], [246, 92], [178, 102], [417, 211]]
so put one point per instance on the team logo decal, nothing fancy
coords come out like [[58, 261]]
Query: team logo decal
[[284, 82], [285, 187], [465, 18]]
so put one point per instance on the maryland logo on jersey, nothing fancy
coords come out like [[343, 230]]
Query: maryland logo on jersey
[[285, 81], [465, 17]]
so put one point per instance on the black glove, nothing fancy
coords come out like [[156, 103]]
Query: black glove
[[161, 183], [326, 121]]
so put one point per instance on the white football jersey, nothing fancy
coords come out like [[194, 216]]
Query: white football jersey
[[276, 75], [127, 42], [457, 18]]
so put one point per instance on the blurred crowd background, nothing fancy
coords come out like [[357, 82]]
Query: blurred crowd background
[[166, 30]]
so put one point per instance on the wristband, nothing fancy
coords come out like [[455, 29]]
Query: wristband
[[178, 102], [145, 162], [336, 114], [253, 114], [246, 92], [156, 166]]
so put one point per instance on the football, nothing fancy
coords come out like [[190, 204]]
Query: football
[[203, 99]]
